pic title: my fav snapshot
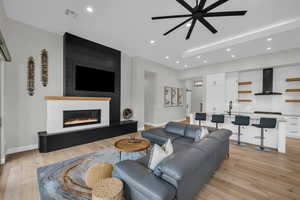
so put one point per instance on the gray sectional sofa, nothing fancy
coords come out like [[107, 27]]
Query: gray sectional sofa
[[181, 175]]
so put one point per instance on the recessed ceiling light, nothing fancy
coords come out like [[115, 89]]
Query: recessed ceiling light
[[185, 66], [233, 56], [269, 48], [269, 39], [205, 61], [228, 49], [177, 62], [198, 56], [89, 9], [152, 41], [167, 57], [188, 25]]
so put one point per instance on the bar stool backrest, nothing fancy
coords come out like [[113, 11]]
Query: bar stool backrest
[[268, 122], [242, 120], [217, 118], [200, 116]]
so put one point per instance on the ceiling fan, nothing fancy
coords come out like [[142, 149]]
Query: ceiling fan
[[199, 13]]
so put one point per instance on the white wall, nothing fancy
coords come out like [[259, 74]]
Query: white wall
[[150, 92], [25, 115], [289, 57], [165, 77], [272, 103], [126, 83]]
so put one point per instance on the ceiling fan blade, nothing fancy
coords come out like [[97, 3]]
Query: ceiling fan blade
[[202, 4], [197, 3], [182, 23], [214, 5], [186, 5], [170, 16], [207, 25], [191, 29], [225, 14]]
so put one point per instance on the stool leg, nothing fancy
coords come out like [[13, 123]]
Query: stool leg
[[239, 137], [217, 126], [199, 122], [262, 147]]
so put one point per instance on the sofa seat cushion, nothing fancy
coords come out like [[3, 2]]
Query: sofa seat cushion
[[184, 140], [159, 135], [221, 135], [140, 178], [175, 128]]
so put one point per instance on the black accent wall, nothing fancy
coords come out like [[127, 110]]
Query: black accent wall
[[79, 51]]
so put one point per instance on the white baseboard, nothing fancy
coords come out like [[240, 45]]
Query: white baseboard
[[21, 149], [163, 124]]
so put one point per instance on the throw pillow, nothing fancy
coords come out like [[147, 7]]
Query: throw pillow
[[158, 154], [201, 134]]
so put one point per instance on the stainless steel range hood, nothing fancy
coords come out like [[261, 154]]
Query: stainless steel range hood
[[268, 83]]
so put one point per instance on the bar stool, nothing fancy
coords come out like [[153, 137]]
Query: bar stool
[[200, 117], [217, 119], [264, 123], [241, 121]]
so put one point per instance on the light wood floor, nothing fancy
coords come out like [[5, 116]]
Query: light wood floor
[[247, 174]]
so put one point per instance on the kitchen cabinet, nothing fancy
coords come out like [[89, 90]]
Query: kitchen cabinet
[[215, 93]]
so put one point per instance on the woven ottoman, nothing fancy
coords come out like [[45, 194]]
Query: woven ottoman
[[98, 172], [108, 189]]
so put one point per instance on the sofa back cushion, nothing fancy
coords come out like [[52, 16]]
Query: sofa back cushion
[[192, 131], [175, 128]]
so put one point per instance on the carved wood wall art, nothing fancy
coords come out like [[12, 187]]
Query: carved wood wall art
[[44, 61], [30, 76]]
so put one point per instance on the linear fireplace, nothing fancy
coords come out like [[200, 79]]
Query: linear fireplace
[[73, 118]]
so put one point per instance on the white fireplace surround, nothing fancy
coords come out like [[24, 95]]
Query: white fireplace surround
[[56, 106]]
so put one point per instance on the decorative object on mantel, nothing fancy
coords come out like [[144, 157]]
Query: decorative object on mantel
[[44, 61], [30, 76], [127, 113]]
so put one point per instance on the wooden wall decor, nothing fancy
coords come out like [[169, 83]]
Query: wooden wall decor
[[30, 76], [44, 61]]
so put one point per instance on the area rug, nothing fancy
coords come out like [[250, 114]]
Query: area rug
[[65, 179]]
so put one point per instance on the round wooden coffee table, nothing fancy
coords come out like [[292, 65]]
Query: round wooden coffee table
[[124, 145]]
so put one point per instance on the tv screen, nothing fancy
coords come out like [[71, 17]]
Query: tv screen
[[96, 80]]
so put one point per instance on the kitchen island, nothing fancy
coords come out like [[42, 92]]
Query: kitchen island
[[274, 138]]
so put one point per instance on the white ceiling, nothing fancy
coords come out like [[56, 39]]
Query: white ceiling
[[126, 25]]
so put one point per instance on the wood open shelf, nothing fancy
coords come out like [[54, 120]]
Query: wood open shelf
[[292, 90], [245, 83], [292, 79], [245, 92], [245, 100], [293, 101]]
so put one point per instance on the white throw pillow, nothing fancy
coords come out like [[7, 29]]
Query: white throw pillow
[[201, 134], [158, 154]]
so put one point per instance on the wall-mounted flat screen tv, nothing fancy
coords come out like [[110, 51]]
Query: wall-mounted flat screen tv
[[94, 80]]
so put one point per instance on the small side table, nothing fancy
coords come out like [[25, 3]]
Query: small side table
[[124, 145], [108, 189]]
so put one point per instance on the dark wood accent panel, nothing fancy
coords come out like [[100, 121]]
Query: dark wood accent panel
[[79, 51], [292, 90], [293, 101], [245, 100], [52, 142]]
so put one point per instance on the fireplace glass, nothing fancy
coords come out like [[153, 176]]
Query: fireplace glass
[[81, 117]]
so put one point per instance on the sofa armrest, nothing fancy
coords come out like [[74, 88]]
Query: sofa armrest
[[141, 184], [178, 166]]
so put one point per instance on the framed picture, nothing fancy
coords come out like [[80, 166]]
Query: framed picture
[[167, 96], [174, 97], [180, 95]]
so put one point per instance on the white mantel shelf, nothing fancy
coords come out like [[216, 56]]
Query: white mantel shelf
[[78, 98]]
